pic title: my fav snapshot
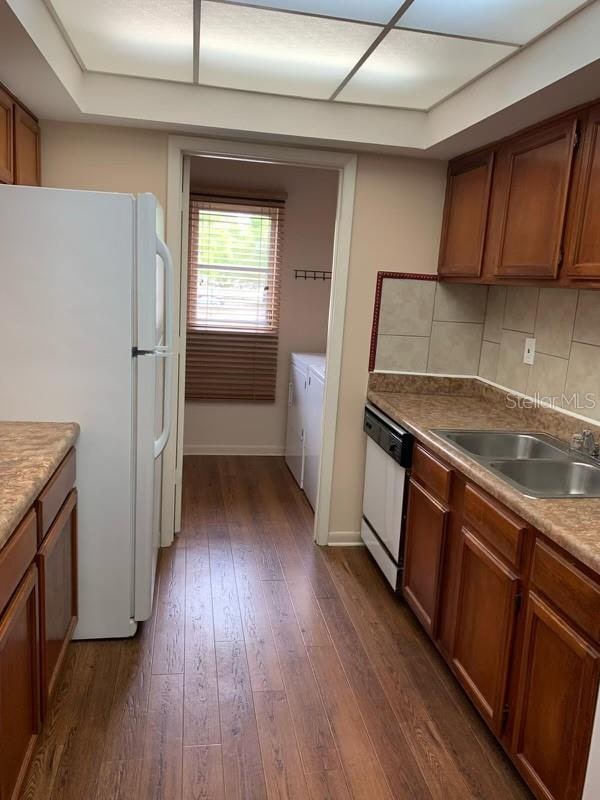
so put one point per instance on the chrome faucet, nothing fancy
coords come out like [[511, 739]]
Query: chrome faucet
[[585, 443]]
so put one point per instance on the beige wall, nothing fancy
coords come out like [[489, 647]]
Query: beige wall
[[397, 222], [307, 243], [396, 227], [104, 158]]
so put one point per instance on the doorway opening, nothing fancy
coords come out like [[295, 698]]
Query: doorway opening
[[265, 260]]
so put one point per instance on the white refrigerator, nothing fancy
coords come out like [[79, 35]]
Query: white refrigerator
[[86, 322]]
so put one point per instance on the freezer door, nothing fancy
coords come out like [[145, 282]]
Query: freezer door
[[154, 307], [150, 288]]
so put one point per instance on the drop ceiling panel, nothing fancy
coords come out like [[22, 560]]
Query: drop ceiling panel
[[277, 52], [148, 38], [415, 70], [515, 21], [379, 11]]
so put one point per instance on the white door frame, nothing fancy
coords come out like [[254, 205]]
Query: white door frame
[[345, 164]]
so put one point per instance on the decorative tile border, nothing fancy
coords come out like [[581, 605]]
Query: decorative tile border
[[381, 276]]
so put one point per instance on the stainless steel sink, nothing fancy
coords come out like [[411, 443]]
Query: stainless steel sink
[[506, 444], [536, 464], [551, 478]]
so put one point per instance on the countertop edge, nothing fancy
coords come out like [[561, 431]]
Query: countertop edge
[[24, 499]]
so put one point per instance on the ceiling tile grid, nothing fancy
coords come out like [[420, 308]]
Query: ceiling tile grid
[[381, 52], [278, 52], [144, 38], [411, 69]]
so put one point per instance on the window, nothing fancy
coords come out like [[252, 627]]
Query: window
[[233, 299]]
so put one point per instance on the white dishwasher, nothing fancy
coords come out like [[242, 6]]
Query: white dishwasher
[[389, 450]]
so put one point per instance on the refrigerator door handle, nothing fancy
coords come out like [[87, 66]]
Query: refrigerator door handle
[[164, 254]]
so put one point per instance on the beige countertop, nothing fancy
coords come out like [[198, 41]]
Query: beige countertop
[[572, 524], [29, 454]]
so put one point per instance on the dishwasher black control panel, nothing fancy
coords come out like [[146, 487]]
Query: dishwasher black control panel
[[396, 442]]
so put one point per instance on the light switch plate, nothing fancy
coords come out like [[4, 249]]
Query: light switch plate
[[529, 354]]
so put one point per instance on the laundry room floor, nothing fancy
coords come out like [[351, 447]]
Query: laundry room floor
[[271, 669]]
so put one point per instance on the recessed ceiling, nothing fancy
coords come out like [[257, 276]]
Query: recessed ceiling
[[371, 52]]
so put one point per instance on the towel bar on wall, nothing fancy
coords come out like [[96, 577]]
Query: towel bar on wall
[[312, 274]]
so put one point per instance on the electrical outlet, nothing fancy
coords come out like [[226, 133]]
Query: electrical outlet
[[529, 354]]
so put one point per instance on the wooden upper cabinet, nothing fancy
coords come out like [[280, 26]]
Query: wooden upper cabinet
[[26, 149], [582, 250], [6, 138], [484, 629], [533, 174], [423, 554], [465, 215], [556, 699]]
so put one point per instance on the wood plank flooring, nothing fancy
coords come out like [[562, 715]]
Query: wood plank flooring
[[271, 669]]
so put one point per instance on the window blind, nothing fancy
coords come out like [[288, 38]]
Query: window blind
[[233, 298]]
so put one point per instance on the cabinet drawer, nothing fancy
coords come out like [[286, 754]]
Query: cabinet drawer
[[497, 525], [16, 556], [54, 495], [431, 472], [572, 592]]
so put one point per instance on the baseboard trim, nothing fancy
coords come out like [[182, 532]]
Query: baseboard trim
[[232, 450], [344, 539]]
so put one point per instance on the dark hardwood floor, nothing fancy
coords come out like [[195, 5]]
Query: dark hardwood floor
[[270, 669]]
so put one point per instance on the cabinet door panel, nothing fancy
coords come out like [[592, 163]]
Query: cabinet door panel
[[558, 684], [583, 243], [57, 562], [423, 553], [19, 683], [534, 172], [6, 138], [27, 149], [465, 216], [485, 619]]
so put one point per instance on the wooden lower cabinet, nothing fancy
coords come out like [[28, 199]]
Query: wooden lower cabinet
[[57, 564], [486, 613], [424, 549], [558, 685], [516, 618], [38, 613], [19, 684]]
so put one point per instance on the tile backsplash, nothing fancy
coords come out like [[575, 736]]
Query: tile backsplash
[[425, 326], [464, 329], [566, 326]]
